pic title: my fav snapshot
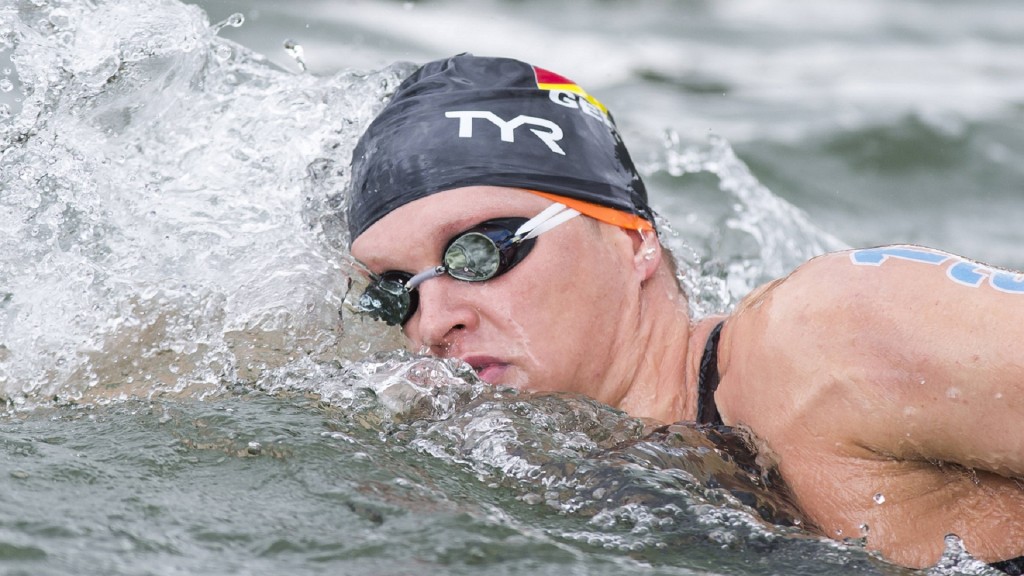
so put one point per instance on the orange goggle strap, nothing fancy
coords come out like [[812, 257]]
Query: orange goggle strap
[[603, 213]]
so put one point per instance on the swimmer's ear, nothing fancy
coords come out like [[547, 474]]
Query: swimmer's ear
[[646, 253]]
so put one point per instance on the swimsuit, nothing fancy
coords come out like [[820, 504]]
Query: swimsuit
[[1013, 566], [707, 381]]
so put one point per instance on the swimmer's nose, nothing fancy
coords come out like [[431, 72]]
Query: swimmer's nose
[[445, 313]]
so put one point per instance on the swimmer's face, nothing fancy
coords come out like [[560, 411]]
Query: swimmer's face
[[555, 322]]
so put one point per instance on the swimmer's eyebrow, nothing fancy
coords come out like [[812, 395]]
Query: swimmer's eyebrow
[[441, 236], [459, 225], [381, 263]]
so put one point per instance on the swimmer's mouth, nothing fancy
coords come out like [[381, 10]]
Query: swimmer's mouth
[[488, 369]]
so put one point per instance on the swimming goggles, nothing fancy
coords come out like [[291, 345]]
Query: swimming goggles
[[478, 254]]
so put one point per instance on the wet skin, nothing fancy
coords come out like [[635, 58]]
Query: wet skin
[[866, 386], [890, 398], [570, 317]]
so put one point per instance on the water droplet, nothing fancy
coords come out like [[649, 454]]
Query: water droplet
[[532, 499], [295, 50], [953, 393], [223, 52], [6, 85], [60, 18], [879, 498], [44, 26], [234, 21]]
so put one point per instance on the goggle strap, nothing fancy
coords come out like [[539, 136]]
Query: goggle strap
[[423, 277], [551, 216], [549, 224], [540, 218]]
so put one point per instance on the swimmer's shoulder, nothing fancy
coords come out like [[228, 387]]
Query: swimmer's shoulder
[[826, 315], [819, 286], [856, 283], [862, 317], [807, 347]]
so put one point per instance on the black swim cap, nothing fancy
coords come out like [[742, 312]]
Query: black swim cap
[[470, 120]]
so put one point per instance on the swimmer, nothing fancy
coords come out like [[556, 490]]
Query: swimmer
[[502, 222]]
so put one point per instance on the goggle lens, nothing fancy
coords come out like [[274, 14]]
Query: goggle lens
[[387, 299], [472, 257]]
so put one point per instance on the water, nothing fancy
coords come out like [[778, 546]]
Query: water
[[182, 394]]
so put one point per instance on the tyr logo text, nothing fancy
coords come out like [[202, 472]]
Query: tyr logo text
[[548, 132]]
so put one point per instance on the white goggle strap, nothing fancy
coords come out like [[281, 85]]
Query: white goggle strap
[[551, 216], [423, 277]]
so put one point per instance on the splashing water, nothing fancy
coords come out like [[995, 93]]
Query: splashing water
[[297, 52], [160, 226], [170, 208], [957, 561], [233, 21], [740, 236]]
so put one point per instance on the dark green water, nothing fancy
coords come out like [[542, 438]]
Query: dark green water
[[262, 484]]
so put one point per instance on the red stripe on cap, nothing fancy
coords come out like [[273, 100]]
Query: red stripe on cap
[[549, 77]]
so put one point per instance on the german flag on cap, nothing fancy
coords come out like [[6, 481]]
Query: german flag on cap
[[548, 80]]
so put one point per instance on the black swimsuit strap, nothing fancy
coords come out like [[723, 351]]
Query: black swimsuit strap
[[1013, 567], [707, 380]]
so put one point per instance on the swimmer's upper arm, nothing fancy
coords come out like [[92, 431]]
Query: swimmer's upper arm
[[927, 366]]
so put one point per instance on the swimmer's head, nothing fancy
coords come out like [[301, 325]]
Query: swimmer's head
[[470, 120]]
